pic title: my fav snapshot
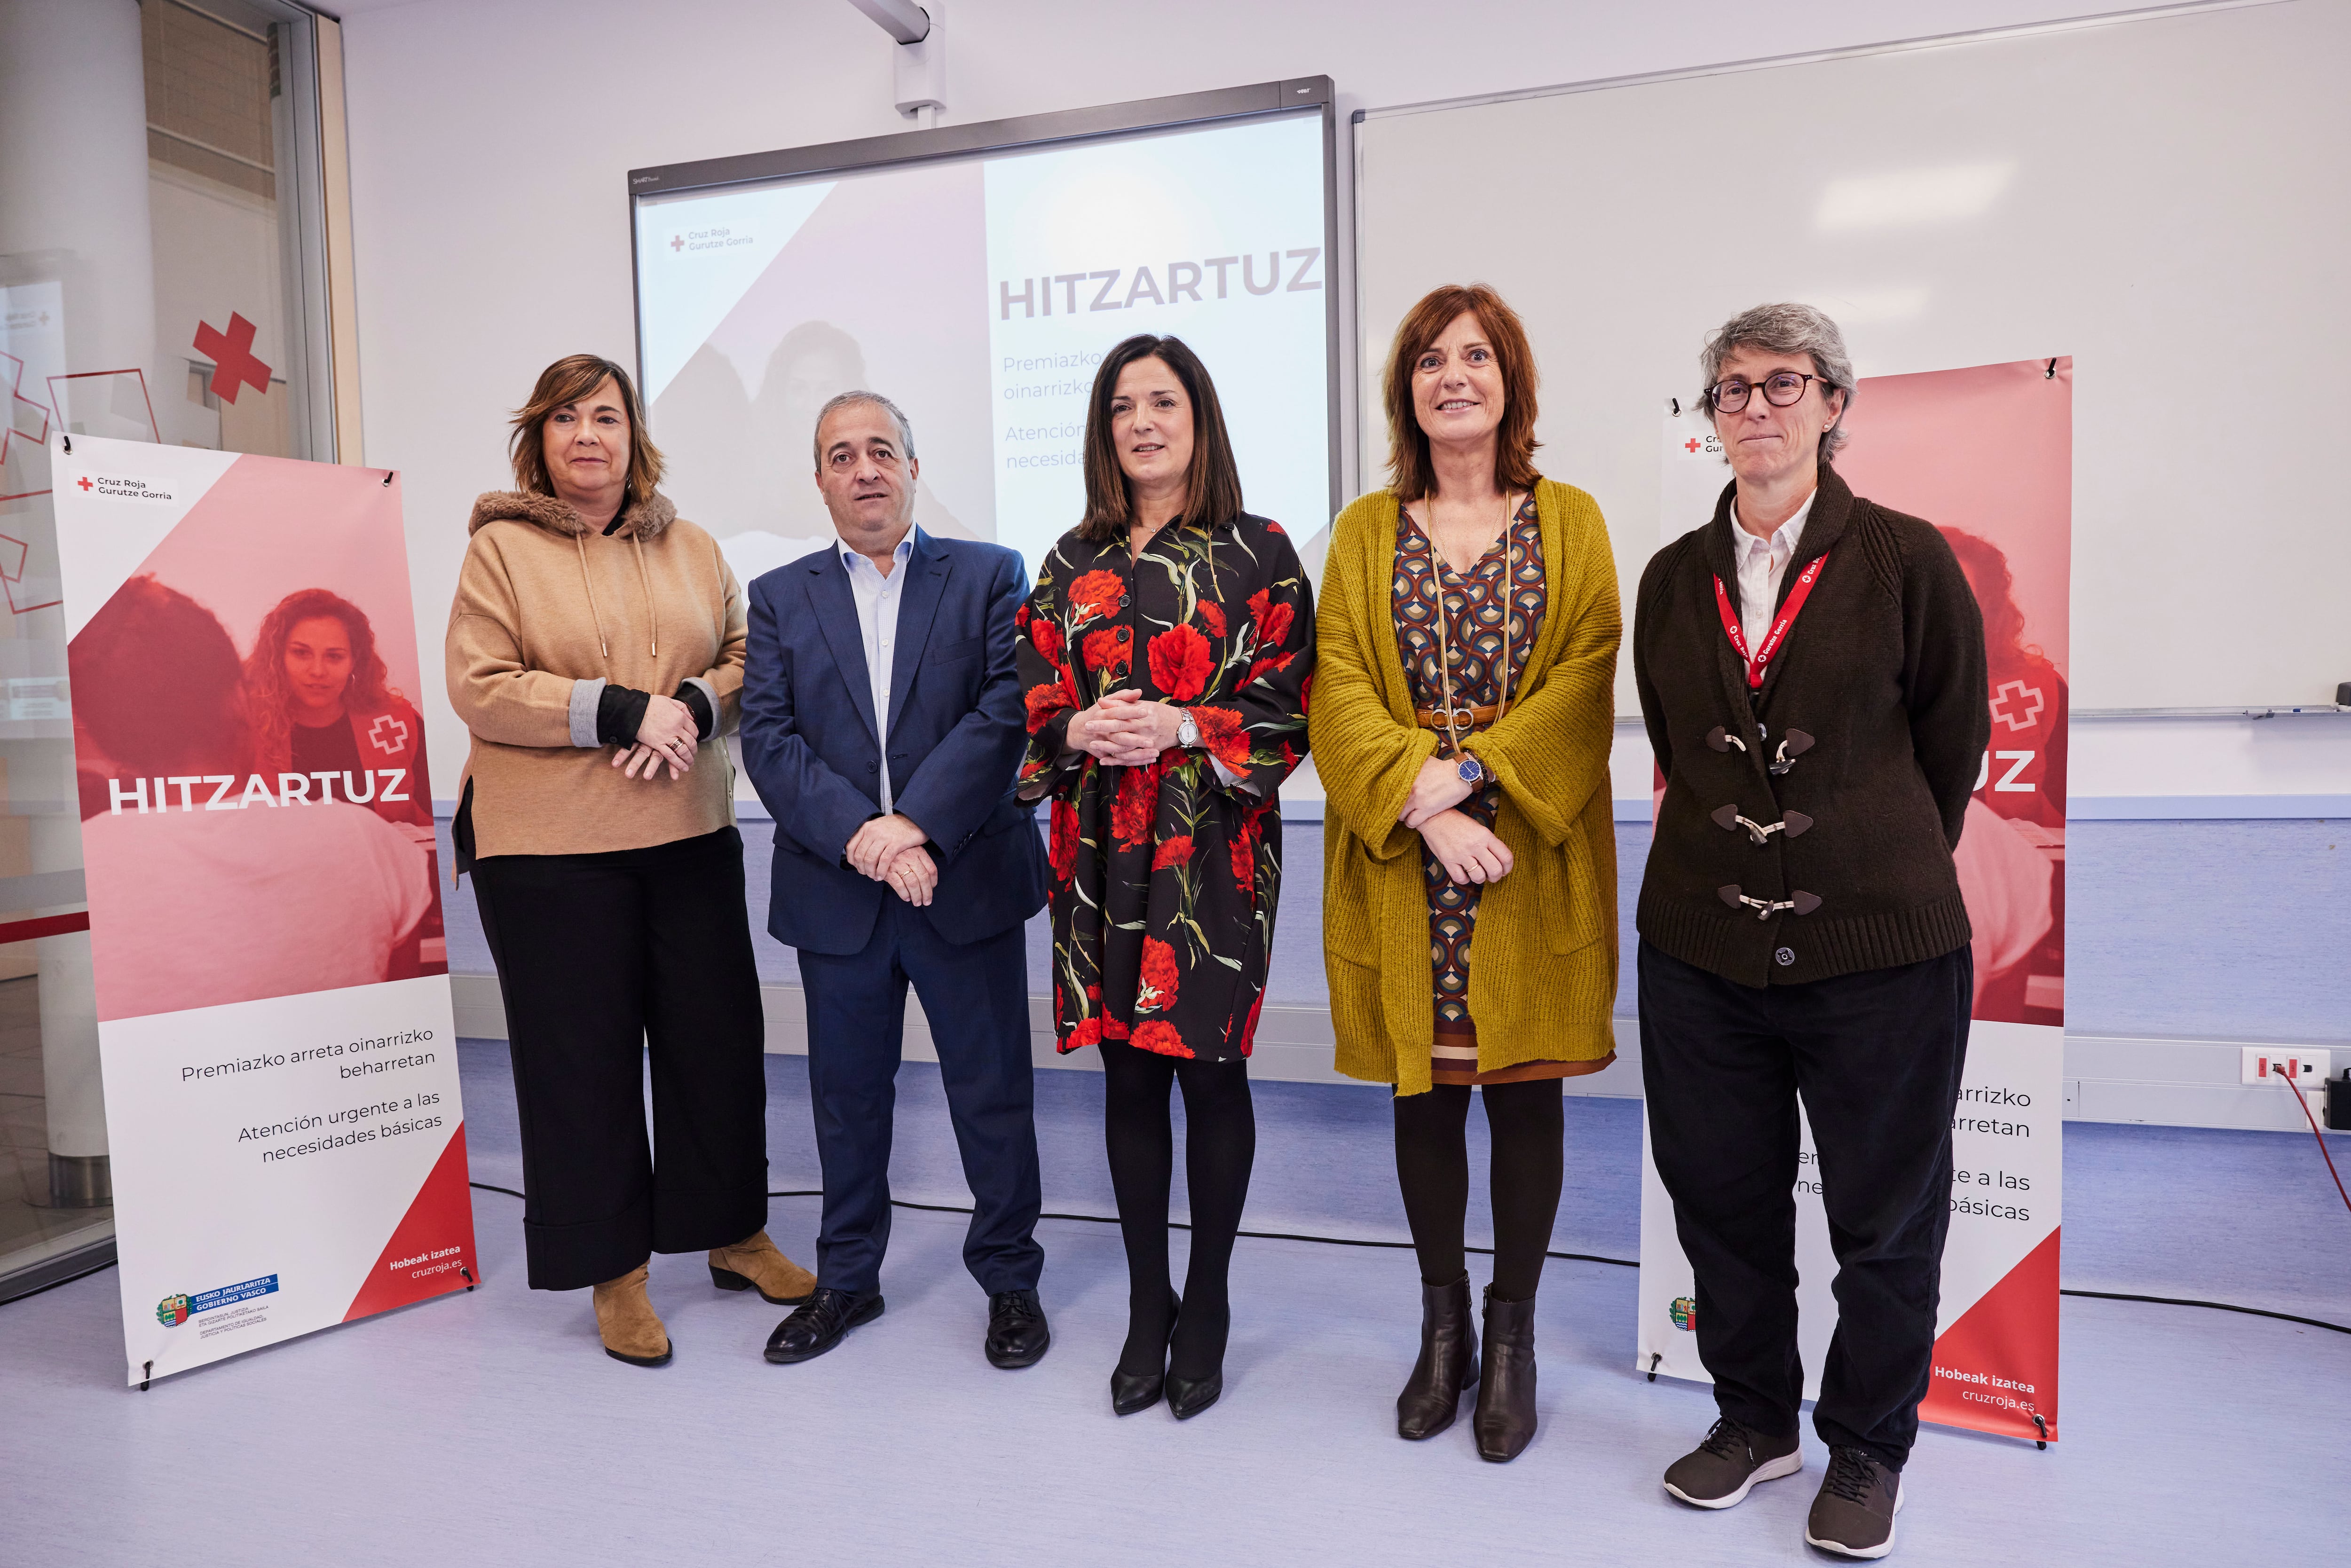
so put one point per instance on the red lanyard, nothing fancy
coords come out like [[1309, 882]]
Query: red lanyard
[[1760, 659]]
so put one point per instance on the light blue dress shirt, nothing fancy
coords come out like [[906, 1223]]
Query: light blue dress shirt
[[877, 628]]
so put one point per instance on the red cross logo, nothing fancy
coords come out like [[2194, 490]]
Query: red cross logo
[[232, 354], [1691, 445], [83, 482], [399, 731], [677, 243], [2017, 690]]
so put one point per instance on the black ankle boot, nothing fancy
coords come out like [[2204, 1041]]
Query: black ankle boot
[[1505, 1422], [1133, 1391], [1448, 1364]]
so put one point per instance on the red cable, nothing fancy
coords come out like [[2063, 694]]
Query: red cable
[[2294, 1087]]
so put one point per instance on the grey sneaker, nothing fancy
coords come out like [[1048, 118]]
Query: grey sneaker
[[1720, 1472], [1855, 1513]]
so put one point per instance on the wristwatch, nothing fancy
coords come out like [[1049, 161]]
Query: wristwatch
[[1471, 770], [1187, 733]]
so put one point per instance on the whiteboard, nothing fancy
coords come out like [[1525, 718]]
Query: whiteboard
[[2161, 196]]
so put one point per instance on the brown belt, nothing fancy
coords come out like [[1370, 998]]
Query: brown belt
[[1464, 717]]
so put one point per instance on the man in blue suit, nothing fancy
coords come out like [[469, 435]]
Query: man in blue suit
[[882, 726]]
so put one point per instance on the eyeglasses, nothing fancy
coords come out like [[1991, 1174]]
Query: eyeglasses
[[1783, 389]]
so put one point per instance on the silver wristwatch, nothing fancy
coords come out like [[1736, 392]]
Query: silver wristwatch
[[1187, 733]]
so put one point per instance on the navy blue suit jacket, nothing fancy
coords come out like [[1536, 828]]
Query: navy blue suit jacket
[[957, 734]]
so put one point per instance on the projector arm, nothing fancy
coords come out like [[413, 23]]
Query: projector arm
[[903, 19], [919, 61]]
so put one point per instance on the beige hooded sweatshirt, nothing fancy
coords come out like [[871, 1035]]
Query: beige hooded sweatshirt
[[549, 612]]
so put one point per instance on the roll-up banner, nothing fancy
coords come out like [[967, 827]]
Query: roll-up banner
[[1986, 454], [272, 979]]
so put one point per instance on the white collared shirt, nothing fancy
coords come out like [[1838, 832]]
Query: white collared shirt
[[877, 628], [1762, 564]]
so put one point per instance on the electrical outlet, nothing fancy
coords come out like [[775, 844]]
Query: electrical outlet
[[2268, 1064]]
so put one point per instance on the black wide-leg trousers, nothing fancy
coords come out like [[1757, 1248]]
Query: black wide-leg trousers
[[602, 958], [1877, 1057]]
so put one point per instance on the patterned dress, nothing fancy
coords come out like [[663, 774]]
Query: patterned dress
[[1165, 876], [1475, 608]]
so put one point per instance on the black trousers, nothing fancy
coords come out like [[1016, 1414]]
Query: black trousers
[[976, 997], [601, 956], [1878, 1058]]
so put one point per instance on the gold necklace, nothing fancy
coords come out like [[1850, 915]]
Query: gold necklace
[[1444, 642]]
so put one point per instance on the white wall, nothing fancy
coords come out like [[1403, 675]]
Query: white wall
[[490, 140]]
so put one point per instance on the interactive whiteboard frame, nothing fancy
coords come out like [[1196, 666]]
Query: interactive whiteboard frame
[[1029, 133]]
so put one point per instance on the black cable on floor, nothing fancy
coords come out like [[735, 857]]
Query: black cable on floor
[[2216, 1306], [1573, 1257]]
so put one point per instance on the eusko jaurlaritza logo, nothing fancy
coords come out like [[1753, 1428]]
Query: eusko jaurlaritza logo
[[1684, 1312], [173, 1311]]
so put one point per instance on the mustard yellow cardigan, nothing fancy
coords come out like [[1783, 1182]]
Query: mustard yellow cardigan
[[1543, 974]]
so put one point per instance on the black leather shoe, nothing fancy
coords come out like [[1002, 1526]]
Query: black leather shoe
[[1448, 1364], [1505, 1422], [1187, 1396], [1133, 1391], [1018, 1335], [822, 1323]]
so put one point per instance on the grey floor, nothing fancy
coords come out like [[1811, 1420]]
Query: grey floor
[[488, 1425]]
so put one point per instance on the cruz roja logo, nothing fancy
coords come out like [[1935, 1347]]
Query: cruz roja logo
[[107, 487], [1684, 1312], [172, 1312]]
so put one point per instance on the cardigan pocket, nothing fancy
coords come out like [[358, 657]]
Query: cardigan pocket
[[1569, 890], [1351, 903]]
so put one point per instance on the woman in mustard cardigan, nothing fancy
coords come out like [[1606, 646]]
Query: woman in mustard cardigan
[[1461, 725]]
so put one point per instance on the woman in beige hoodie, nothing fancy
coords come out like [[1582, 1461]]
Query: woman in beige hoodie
[[595, 650]]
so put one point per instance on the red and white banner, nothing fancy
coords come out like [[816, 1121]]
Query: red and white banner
[[1986, 454], [272, 981]]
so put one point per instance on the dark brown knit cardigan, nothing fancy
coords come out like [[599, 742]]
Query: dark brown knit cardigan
[[1878, 698]]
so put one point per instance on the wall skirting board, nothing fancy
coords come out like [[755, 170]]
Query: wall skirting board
[[2170, 1082]]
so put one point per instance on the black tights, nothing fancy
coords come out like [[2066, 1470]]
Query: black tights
[[1219, 1146], [1528, 1122]]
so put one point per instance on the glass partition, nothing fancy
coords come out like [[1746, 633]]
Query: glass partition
[[161, 249]]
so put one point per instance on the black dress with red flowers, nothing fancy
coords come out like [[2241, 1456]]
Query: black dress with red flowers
[[1165, 876]]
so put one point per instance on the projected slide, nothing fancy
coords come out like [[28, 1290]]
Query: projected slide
[[980, 294]]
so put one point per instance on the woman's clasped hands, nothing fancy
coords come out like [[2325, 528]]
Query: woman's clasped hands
[[1124, 730], [1468, 849], [669, 735]]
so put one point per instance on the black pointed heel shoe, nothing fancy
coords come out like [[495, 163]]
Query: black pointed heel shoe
[[1187, 1396], [1133, 1391], [1505, 1421], [1448, 1364]]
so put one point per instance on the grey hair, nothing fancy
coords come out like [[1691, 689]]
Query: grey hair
[[905, 429], [1785, 329]]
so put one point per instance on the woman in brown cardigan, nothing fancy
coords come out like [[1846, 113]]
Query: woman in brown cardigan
[[1461, 725], [596, 652]]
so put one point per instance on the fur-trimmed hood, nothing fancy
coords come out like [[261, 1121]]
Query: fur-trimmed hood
[[645, 520]]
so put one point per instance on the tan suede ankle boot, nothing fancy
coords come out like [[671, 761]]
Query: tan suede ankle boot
[[632, 1331], [755, 1264]]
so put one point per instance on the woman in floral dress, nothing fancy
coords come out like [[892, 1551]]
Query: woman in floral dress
[[1166, 654]]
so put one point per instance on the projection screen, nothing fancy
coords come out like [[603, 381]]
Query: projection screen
[[976, 275]]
